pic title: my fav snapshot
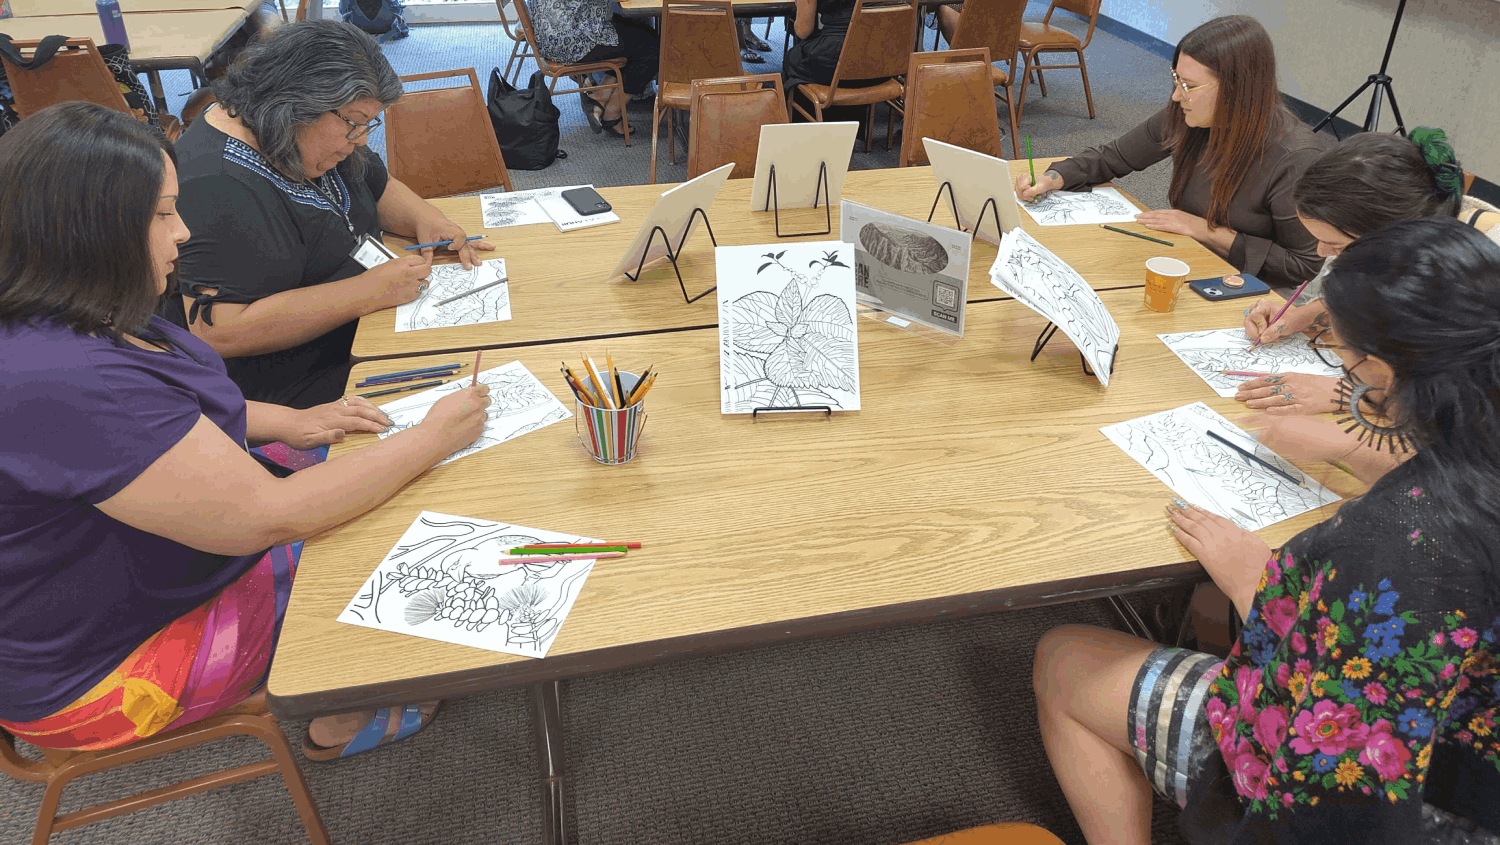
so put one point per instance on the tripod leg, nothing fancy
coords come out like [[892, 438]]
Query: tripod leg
[[1328, 118], [1372, 117], [1395, 110]]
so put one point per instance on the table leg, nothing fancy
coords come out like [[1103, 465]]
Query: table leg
[[546, 723], [159, 94], [1128, 615]]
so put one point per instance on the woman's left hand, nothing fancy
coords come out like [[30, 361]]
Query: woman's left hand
[[1174, 221], [1290, 393], [321, 425], [436, 227], [1234, 557]]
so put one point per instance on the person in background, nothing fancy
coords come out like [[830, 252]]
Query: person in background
[[287, 205], [579, 31], [1236, 154], [1365, 678], [145, 557], [819, 27]]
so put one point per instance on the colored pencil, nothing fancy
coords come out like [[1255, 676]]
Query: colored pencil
[[612, 380], [418, 371], [378, 382], [449, 242], [403, 388], [640, 394], [598, 383], [629, 544], [1257, 458], [500, 281], [477, 355], [1288, 304], [508, 561], [579, 387], [1031, 161], [640, 382], [562, 550], [1244, 373], [1136, 235]]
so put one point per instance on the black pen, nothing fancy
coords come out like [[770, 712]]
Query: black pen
[[1254, 457], [403, 389]]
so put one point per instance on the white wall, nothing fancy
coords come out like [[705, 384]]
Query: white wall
[[1446, 64]]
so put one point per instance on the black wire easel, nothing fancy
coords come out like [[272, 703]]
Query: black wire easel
[[989, 206], [1051, 329], [772, 204], [1381, 81], [673, 252]]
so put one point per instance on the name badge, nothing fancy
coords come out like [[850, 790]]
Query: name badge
[[370, 253]]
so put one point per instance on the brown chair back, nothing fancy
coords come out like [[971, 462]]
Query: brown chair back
[[995, 24], [76, 72], [727, 115], [950, 97], [1468, 181], [440, 142], [698, 41], [302, 9], [1088, 9], [879, 41]]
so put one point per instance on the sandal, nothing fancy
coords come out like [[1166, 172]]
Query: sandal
[[375, 734], [594, 111], [614, 127], [756, 42], [752, 57]]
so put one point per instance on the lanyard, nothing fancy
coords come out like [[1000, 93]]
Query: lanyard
[[348, 223]]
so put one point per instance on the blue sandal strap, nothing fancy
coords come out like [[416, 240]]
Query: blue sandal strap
[[411, 722], [370, 735]]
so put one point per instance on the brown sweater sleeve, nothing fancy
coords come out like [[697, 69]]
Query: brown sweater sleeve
[[1137, 149], [1290, 256]]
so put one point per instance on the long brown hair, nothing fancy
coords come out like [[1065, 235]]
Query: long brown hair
[[1248, 113]]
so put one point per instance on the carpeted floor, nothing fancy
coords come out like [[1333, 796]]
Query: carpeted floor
[[867, 739]]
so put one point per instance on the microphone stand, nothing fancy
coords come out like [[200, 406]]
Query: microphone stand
[[1382, 84]]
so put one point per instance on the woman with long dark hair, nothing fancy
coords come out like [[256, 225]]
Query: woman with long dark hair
[[1365, 678], [1236, 153], [145, 556]]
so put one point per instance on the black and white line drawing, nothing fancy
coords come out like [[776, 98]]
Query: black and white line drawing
[[1070, 208], [515, 208], [786, 328], [518, 404], [1046, 284], [489, 304], [441, 581], [1175, 447], [1209, 353]]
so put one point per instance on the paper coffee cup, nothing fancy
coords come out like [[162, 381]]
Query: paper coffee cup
[[1164, 278]]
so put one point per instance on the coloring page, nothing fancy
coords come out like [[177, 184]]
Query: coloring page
[[1072, 208], [518, 404], [1209, 353], [786, 326], [516, 208], [1047, 285], [1175, 446], [442, 582], [490, 303]]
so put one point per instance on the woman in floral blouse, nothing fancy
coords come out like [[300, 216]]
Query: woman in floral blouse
[[1365, 673], [581, 31]]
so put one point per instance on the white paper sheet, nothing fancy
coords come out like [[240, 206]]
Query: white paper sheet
[[490, 305], [442, 582], [1070, 208], [1046, 284], [516, 208], [799, 152], [1174, 445], [786, 326], [674, 213], [568, 219], [1208, 353], [975, 179], [518, 404]]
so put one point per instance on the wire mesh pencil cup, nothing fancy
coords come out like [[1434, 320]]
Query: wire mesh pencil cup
[[610, 435]]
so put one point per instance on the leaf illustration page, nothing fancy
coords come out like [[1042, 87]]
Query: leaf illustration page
[[1209, 353]]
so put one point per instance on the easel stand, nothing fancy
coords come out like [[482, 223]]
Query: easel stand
[[822, 191], [989, 206], [1051, 329], [673, 252], [1381, 81], [825, 410]]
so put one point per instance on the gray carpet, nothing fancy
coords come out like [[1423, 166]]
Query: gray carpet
[[867, 739]]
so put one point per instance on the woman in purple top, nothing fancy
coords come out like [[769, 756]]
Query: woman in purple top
[[144, 554]]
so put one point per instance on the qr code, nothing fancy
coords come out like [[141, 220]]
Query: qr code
[[944, 295]]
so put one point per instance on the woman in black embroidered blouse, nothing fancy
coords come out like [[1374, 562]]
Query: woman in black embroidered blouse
[[279, 191]]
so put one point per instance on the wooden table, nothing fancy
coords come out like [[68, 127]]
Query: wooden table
[[560, 290], [53, 8], [972, 480]]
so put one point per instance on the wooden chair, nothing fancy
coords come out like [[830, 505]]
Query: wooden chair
[[698, 41], [876, 47], [995, 24], [300, 15], [950, 98], [249, 718], [1045, 38], [440, 142], [555, 71], [76, 72], [520, 48], [1009, 833], [725, 120], [1468, 181]]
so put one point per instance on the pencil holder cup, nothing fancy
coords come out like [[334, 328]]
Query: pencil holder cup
[[609, 435]]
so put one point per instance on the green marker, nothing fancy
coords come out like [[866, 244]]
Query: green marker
[[561, 550], [1031, 161]]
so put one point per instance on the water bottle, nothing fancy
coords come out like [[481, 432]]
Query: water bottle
[[112, 22]]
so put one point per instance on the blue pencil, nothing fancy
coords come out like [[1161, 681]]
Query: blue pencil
[[371, 382], [417, 371], [448, 242]]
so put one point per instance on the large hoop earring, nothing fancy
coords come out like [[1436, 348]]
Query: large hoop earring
[[1353, 392]]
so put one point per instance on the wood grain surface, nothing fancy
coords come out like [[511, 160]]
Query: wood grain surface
[[157, 39], [42, 8]]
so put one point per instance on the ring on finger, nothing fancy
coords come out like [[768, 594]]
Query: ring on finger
[[1289, 399], [344, 401]]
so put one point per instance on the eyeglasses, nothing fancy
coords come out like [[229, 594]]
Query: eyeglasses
[[1186, 88], [1324, 349], [357, 130]]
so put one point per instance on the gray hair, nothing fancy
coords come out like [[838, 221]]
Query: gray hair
[[296, 74]]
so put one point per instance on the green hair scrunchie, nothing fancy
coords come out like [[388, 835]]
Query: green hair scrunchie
[[1442, 162]]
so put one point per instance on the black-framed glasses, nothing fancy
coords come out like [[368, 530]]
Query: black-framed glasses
[[1325, 349], [357, 130], [1186, 88]]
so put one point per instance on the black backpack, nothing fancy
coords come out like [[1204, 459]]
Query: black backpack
[[381, 18], [525, 122]]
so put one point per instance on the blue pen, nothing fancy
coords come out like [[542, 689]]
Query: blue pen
[[417, 371], [448, 242]]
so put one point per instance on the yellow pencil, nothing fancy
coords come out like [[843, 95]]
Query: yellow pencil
[[593, 371], [640, 392]]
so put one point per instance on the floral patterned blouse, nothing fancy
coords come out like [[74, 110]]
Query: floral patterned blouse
[[1371, 641], [566, 30]]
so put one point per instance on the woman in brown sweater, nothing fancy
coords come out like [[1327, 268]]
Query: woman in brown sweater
[[1236, 153]]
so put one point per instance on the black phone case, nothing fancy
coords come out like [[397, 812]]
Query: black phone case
[[586, 201], [1215, 290]]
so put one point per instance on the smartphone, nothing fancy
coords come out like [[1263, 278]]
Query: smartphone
[[586, 201], [1232, 286]]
